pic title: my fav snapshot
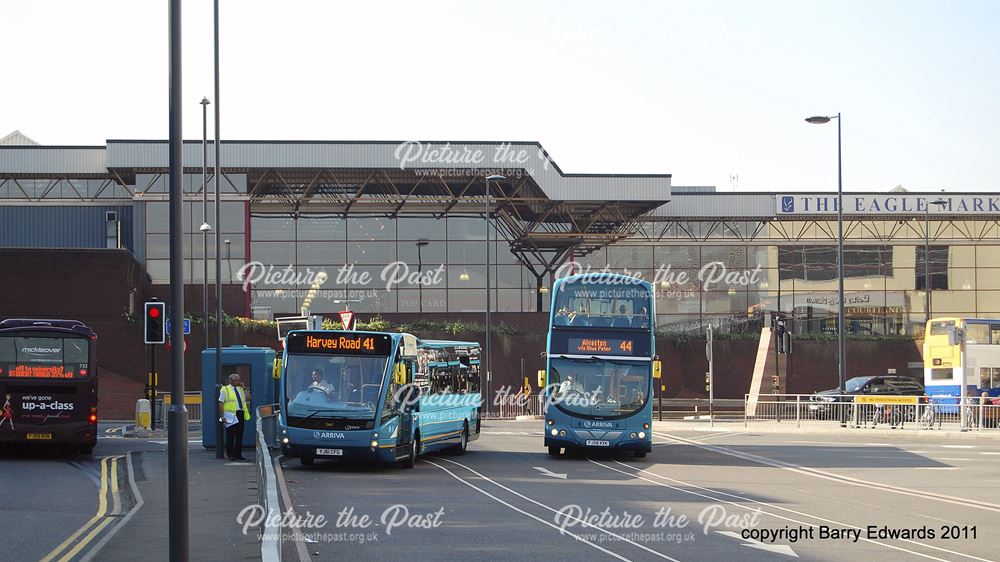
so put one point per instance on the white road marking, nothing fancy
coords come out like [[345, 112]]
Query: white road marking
[[539, 519], [952, 459], [548, 472], [772, 548], [687, 489], [934, 468], [808, 471], [986, 453], [959, 446]]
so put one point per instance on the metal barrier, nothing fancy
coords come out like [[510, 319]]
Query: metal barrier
[[267, 487], [192, 401], [509, 406], [871, 411]]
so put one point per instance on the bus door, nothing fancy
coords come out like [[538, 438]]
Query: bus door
[[401, 399]]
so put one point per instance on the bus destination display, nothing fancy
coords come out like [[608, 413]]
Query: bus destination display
[[601, 346], [339, 344]]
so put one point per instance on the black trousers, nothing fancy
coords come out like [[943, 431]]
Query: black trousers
[[234, 437]]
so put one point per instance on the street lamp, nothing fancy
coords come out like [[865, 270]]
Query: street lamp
[[205, 228], [927, 257], [421, 242], [489, 372], [841, 353]]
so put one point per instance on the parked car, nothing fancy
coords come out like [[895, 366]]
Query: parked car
[[822, 403]]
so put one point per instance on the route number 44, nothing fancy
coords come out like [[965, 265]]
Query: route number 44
[[626, 346]]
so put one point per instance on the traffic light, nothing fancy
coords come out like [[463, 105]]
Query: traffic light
[[782, 337], [775, 381], [155, 322], [708, 381]]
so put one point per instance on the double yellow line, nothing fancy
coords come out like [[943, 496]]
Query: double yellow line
[[97, 523]]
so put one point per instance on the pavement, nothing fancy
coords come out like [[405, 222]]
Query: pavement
[[218, 490]]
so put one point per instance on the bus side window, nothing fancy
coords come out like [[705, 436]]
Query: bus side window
[[995, 334]]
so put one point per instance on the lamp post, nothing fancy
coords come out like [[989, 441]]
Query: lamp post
[[842, 349], [205, 228], [927, 257], [217, 176], [489, 372], [420, 268]]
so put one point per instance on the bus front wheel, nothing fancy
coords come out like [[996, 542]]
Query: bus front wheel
[[411, 458], [306, 461], [464, 444], [553, 451], [640, 454]]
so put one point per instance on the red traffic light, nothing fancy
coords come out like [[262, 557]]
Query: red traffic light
[[154, 312]]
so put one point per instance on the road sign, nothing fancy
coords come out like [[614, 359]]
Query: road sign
[[347, 318], [187, 327]]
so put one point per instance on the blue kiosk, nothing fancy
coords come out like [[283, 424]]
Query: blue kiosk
[[255, 366]]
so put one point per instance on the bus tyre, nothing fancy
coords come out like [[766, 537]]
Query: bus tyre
[[411, 458], [553, 451], [86, 449], [464, 444], [306, 461], [640, 454]]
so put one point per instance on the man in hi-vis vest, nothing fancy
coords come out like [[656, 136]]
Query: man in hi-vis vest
[[234, 409]]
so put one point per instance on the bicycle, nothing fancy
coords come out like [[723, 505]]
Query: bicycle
[[887, 413], [930, 416]]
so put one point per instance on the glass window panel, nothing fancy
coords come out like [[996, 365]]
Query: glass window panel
[[280, 301], [466, 300], [157, 217], [157, 246], [630, 257], [428, 300], [503, 254], [733, 257], [434, 253], [509, 276], [678, 300], [321, 228], [963, 302], [272, 227], [467, 228], [371, 252], [508, 300], [962, 256], [158, 270], [371, 228], [977, 333], [595, 260], [988, 304], [678, 257], [679, 323], [729, 302], [764, 256], [233, 216], [987, 279], [414, 228], [273, 253], [467, 276], [466, 252], [329, 254], [988, 256]]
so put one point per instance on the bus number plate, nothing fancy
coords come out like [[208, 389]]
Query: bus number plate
[[598, 443], [40, 436], [330, 452]]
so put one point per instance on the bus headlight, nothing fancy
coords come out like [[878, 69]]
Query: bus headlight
[[631, 435], [284, 440], [551, 422], [374, 444], [642, 435], [554, 432], [562, 433], [645, 426]]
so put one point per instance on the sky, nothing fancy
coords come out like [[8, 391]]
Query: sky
[[713, 92]]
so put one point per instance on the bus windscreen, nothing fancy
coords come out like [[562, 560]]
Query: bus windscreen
[[607, 305], [32, 357]]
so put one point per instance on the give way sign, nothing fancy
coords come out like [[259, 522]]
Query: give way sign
[[347, 319]]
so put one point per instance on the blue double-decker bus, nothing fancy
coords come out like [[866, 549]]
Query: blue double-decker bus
[[599, 364], [376, 396]]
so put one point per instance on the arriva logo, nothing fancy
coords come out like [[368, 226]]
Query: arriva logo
[[328, 435], [598, 424]]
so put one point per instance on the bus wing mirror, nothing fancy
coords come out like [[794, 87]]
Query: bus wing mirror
[[276, 370], [541, 378], [657, 369]]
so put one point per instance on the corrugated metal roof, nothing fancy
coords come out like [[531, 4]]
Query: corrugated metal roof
[[718, 205], [49, 226], [52, 160], [477, 157]]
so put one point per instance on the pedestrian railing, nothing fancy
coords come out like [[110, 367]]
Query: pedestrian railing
[[267, 485], [871, 411], [508, 407], [192, 402]]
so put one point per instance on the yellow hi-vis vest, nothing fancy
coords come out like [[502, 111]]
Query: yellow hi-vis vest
[[231, 405]]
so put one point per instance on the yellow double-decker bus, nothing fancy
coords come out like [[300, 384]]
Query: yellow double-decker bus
[[945, 367]]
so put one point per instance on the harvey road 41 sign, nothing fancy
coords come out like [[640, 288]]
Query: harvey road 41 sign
[[886, 203]]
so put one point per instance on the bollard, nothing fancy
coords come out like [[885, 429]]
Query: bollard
[[142, 417]]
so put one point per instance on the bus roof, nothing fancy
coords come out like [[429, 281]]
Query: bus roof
[[27, 324], [447, 343]]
